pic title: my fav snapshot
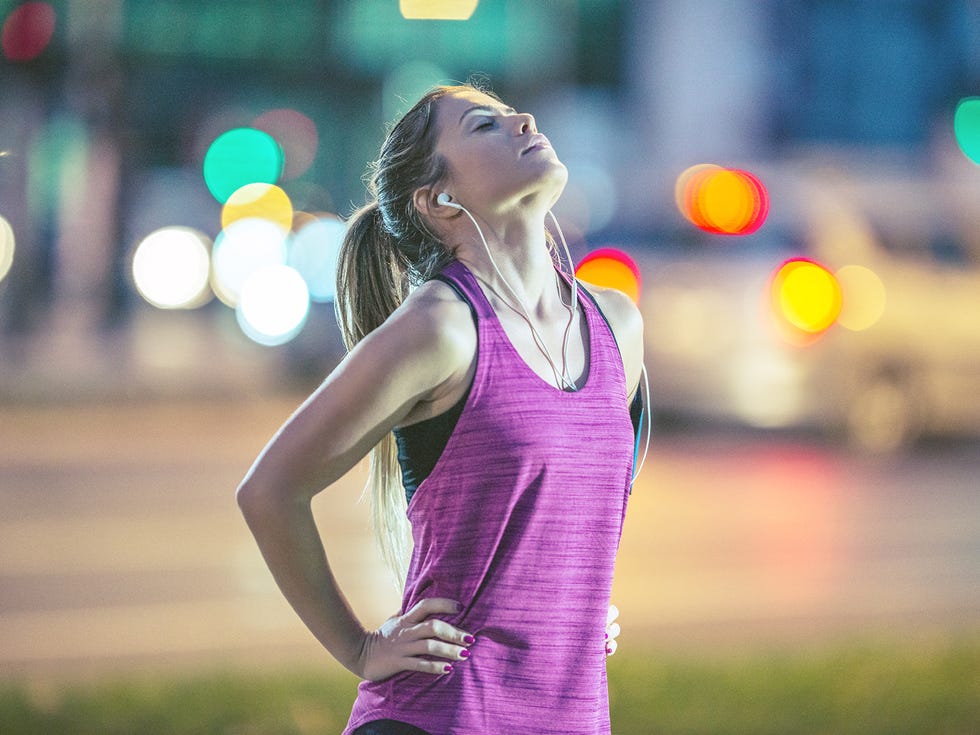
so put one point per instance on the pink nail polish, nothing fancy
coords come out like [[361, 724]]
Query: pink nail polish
[[469, 640], [464, 653], [448, 669]]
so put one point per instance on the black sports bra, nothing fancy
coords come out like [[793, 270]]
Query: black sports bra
[[421, 444]]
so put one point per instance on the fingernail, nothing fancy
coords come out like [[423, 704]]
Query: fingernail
[[464, 653], [448, 669], [469, 640], [607, 636], [459, 607], [608, 650]]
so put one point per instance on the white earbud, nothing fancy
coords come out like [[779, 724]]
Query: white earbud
[[445, 200]]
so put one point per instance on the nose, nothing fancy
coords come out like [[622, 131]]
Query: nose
[[526, 123]]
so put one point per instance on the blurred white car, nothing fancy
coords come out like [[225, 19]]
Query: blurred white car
[[901, 360]]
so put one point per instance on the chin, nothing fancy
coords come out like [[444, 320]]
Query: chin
[[561, 178]]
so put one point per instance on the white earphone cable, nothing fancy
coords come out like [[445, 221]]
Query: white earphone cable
[[562, 376]]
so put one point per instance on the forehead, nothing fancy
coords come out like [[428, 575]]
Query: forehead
[[454, 105]]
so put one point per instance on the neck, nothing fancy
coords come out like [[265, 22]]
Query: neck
[[523, 266], [519, 263]]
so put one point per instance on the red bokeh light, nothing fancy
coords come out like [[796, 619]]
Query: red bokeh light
[[27, 31]]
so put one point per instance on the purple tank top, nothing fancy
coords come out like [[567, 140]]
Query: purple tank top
[[520, 521]]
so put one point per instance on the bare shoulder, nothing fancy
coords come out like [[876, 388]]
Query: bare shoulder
[[627, 325], [619, 309], [432, 339], [435, 321]]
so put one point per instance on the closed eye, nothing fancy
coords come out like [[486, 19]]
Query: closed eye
[[487, 124]]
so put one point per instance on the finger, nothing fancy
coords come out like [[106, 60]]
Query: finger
[[613, 631], [612, 614], [432, 647], [436, 628], [611, 647], [431, 606], [439, 668]]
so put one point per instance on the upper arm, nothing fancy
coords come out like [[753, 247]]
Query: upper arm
[[413, 355], [626, 322]]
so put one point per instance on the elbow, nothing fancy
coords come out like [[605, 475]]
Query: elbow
[[261, 495], [252, 498]]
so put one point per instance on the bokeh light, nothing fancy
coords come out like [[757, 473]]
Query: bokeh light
[[313, 252], [171, 267], [720, 200], [274, 305], [241, 249], [6, 247], [437, 9], [241, 156], [611, 268], [863, 295], [296, 134], [805, 297], [261, 201], [27, 31], [966, 127], [404, 85], [589, 201]]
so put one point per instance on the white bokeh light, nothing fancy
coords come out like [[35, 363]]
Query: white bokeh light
[[313, 252], [274, 304], [241, 249], [6, 247], [171, 267]]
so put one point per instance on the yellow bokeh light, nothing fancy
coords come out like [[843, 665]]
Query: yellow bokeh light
[[807, 296], [437, 9], [259, 201], [6, 247], [864, 297]]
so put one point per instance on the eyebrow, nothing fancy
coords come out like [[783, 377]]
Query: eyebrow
[[485, 108]]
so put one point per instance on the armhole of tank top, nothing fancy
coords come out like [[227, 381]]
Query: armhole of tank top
[[637, 392], [592, 300]]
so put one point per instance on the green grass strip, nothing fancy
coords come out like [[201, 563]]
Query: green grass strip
[[864, 688]]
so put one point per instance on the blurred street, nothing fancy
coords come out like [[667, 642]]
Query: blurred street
[[121, 545]]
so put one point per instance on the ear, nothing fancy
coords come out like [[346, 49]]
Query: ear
[[425, 202]]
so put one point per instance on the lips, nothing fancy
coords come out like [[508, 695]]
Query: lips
[[538, 142]]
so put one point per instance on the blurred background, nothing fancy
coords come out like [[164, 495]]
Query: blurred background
[[795, 184]]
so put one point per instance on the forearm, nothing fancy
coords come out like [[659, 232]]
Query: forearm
[[290, 543]]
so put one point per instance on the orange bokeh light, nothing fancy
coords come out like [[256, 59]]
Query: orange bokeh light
[[721, 200], [611, 268]]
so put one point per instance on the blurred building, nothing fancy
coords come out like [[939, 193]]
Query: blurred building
[[103, 132]]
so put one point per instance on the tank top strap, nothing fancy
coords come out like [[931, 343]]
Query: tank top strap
[[462, 279]]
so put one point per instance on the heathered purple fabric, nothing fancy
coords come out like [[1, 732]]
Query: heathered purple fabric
[[520, 521]]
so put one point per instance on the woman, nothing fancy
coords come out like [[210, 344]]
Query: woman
[[509, 399]]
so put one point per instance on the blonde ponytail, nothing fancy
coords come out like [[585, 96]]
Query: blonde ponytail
[[370, 286]]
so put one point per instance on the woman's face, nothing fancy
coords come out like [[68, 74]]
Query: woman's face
[[496, 158]]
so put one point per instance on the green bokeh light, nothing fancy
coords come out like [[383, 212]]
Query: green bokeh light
[[966, 125], [241, 156]]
